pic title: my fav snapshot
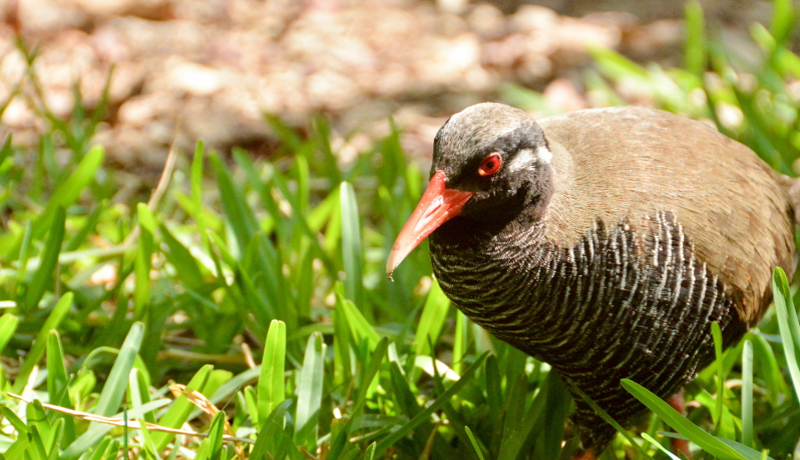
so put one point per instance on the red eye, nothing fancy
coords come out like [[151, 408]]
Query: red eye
[[490, 165]]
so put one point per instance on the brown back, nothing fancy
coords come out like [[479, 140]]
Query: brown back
[[630, 162]]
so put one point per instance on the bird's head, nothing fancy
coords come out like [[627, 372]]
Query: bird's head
[[491, 165]]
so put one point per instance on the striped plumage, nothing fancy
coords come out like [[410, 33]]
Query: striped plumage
[[601, 312], [604, 242]]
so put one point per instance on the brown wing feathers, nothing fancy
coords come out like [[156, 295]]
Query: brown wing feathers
[[719, 191]]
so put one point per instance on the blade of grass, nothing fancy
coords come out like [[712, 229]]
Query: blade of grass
[[783, 302], [402, 394], [517, 423], [138, 392], [658, 445], [43, 278], [143, 263], [39, 424], [89, 225], [794, 324], [100, 451], [406, 429], [695, 58], [783, 20], [434, 314], [97, 430], [473, 442], [58, 382], [229, 388], [271, 390], [769, 369], [351, 249], [8, 325], [604, 415], [148, 451], [67, 193], [18, 449], [197, 207], [360, 328], [215, 434], [240, 216], [454, 418], [16, 422], [114, 390], [35, 354], [460, 342], [748, 452], [680, 423], [722, 429], [24, 254], [330, 165], [186, 267], [553, 400], [615, 65], [309, 392], [494, 395], [342, 354], [38, 451], [747, 394], [180, 409], [339, 436], [370, 453]]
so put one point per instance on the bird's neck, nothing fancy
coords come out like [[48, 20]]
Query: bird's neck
[[473, 237], [487, 270]]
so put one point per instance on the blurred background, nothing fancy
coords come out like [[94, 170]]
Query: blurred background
[[185, 70], [323, 114]]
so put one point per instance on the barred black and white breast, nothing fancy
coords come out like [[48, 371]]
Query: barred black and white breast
[[604, 242]]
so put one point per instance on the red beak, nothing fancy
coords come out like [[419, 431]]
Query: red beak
[[437, 205]]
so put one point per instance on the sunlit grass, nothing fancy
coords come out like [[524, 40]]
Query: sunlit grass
[[281, 265]]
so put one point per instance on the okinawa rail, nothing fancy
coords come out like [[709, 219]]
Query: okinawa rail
[[604, 242]]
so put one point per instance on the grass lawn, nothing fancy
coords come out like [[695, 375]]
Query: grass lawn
[[247, 299]]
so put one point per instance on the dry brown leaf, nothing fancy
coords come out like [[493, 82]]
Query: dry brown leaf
[[129, 423]]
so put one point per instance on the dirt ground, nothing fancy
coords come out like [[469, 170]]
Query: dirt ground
[[187, 70]]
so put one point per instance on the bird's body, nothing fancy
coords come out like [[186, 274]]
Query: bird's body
[[604, 242]]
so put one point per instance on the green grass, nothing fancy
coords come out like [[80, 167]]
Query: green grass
[[286, 258]]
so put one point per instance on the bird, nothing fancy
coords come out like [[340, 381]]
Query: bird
[[604, 242]]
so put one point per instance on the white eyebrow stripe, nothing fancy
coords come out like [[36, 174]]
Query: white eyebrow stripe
[[544, 154], [524, 159]]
